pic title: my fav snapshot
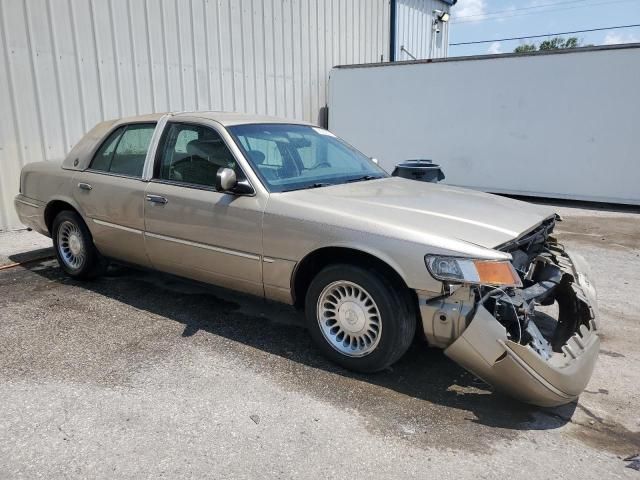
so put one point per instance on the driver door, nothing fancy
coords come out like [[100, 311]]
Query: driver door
[[192, 230]]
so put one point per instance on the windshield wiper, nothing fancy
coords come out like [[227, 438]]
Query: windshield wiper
[[325, 184], [313, 185], [362, 179]]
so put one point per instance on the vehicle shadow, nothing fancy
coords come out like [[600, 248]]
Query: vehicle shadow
[[423, 374]]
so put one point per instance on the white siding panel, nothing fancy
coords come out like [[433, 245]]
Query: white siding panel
[[155, 39], [90, 91], [10, 141], [201, 58], [173, 55], [268, 59], [138, 29], [21, 81], [69, 89], [43, 71], [213, 60], [124, 57], [246, 68], [111, 94], [66, 65]]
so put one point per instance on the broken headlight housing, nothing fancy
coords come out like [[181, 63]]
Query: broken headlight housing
[[473, 271]]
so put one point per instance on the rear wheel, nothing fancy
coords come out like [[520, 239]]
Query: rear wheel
[[74, 247], [358, 318]]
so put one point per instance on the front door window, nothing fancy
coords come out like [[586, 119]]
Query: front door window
[[192, 154]]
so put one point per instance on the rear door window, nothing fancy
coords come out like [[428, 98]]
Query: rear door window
[[125, 151]]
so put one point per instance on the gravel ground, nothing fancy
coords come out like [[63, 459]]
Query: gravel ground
[[138, 374]]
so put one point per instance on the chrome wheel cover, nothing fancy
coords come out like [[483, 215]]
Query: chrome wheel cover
[[71, 245], [349, 318]]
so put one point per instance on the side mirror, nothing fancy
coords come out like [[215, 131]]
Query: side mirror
[[225, 179], [375, 160]]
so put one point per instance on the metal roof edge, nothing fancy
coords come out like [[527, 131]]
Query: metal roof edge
[[562, 51]]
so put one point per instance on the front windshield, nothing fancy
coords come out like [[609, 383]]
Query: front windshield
[[293, 157]]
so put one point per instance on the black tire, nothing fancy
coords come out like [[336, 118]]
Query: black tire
[[396, 312], [92, 263]]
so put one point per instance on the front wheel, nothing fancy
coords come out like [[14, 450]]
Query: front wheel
[[358, 318], [74, 247]]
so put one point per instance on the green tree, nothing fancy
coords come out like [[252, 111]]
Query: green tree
[[527, 47], [555, 43]]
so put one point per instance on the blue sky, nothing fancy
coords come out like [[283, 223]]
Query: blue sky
[[488, 19]]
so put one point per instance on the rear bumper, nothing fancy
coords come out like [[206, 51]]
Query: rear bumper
[[484, 348], [31, 213]]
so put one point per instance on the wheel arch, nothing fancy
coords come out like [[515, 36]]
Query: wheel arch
[[307, 268], [54, 207]]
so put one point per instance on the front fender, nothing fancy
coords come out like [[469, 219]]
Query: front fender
[[359, 247]]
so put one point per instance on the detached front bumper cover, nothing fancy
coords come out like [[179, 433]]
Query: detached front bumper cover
[[541, 378]]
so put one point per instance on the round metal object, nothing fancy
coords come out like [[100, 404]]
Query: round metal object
[[71, 245], [349, 318]]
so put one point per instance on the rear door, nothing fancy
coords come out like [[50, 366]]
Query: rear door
[[111, 193], [191, 229]]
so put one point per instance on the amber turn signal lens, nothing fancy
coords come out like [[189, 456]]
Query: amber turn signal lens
[[497, 273]]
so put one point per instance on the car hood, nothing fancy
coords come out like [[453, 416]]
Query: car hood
[[399, 206]]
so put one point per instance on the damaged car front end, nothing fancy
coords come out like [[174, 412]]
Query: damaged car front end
[[489, 318]]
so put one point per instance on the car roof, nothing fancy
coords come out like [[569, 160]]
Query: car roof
[[234, 118], [80, 155], [225, 118]]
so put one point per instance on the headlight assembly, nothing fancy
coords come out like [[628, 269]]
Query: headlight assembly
[[473, 271]]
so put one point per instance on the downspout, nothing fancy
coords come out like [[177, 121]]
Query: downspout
[[392, 30]]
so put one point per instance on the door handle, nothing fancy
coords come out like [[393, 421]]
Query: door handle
[[84, 186], [157, 199]]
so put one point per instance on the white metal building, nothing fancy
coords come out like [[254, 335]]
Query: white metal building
[[69, 64], [418, 30]]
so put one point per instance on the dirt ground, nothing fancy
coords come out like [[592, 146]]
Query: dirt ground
[[139, 374]]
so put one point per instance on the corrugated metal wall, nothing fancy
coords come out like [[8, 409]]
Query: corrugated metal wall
[[414, 27], [69, 64]]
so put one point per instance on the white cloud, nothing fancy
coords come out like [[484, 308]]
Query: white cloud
[[474, 9], [612, 38], [495, 48]]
